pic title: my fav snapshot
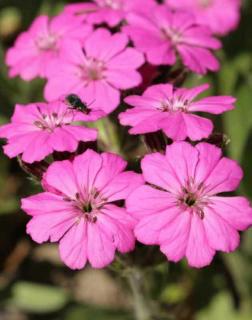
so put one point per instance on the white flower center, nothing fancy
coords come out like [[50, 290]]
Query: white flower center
[[205, 3], [48, 122], [173, 105], [113, 4], [173, 35], [93, 70], [47, 42]]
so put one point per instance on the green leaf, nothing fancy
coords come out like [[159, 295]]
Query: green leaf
[[238, 122], [87, 313], [221, 308], [38, 298], [235, 80]]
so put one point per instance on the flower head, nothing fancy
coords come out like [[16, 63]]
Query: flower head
[[80, 210], [162, 107], [111, 12], [98, 71], [38, 129], [36, 51], [164, 34], [221, 16], [180, 209]]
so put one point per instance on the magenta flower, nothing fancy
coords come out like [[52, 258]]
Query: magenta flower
[[111, 12], [98, 71], [221, 16], [81, 213], [181, 211], [163, 34], [162, 107], [36, 51], [38, 129]]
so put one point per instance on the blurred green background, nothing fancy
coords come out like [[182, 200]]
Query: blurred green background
[[33, 282]]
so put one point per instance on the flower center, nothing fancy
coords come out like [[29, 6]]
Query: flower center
[[87, 207], [192, 197], [190, 200], [93, 70], [113, 4], [89, 204], [173, 105], [205, 3], [53, 120], [171, 34], [47, 42]]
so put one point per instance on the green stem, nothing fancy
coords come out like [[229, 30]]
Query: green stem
[[141, 305], [108, 135]]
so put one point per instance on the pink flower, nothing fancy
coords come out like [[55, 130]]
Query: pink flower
[[180, 209], [82, 214], [111, 12], [37, 50], [162, 107], [38, 129], [163, 34], [98, 71], [222, 16]]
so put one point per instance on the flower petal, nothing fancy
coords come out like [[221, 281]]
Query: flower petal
[[86, 168], [123, 79], [130, 58], [151, 227], [182, 158], [146, 200], [121, 186], [112, 165], [157, 170], [101, 248], [43, 203], [174, 236], [197, 127], [38, 148], [198, 59], [51, 226], [225, 177], [101, 96], [61, 176], [62, 140], [174, 126], [198, 252], [236, 211], [120, 231], [220, 235], [102, 45], [209, 156], [82, 133], [214, 105], [73, 246]]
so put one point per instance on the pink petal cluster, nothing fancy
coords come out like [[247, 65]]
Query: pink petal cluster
[[38, 129], [36, 52], [164, 34], [111, 12], [163, 107], [97, 71], [180, 210], [177, 203], [80, 210], [222, 16]]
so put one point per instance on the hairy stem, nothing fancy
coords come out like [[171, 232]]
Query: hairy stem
[[141, 305]]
